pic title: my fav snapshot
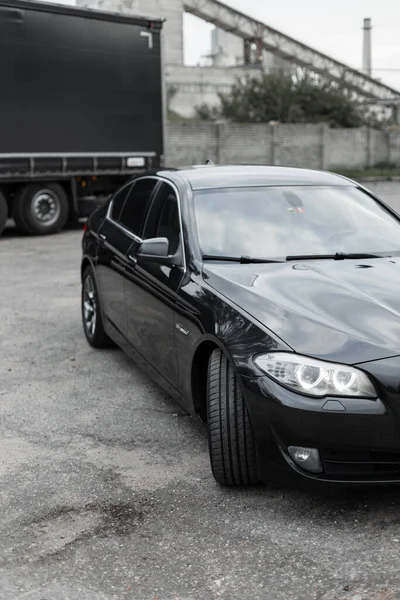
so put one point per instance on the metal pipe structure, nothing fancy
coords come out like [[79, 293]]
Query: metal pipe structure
[[297, 53]]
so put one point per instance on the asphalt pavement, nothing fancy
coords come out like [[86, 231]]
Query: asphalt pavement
[[105, 486]]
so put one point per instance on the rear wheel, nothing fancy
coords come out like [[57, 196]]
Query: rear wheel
[[91, 314], [230, 437], [40, 209], [3, 212]]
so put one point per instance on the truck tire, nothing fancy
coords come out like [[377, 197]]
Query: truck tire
[[230, 437], [3, 212], [40, 209]]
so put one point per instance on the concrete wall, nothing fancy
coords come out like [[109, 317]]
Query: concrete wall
[[297, 145], [313, 146], [347, 147], [190, 144], [394, 147]]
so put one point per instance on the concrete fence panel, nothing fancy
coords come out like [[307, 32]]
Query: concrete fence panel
[[311, 146], [190, 143], [298, 145], [394, 147], [244, 143], [378, 147], [347, 148]]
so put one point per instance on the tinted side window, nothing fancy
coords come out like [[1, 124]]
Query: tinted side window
[[118, 201], [135, 207], [163, 220]]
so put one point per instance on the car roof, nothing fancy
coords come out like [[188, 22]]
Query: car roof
[[216, 176]]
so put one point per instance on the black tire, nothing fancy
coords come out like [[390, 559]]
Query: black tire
[[31, 203], [230, 437], [96, 336], [3, 212]]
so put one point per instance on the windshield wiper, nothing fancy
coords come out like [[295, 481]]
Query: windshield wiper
[[247, 260], [243, 260], [337, 256]]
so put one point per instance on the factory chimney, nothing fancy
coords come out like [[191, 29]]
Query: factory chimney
[[367, 51]]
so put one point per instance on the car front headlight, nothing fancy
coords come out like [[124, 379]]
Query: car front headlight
[[315, 377]]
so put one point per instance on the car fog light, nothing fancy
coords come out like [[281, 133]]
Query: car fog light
[[306, 458]]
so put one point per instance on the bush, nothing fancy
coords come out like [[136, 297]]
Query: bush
[[286, 98]]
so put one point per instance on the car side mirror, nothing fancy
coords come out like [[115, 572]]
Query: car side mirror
[[154, 248]]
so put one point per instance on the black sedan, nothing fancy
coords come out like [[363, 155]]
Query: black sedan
[[267, 301]]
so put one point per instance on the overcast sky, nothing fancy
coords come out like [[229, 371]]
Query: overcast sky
[[333, 28]]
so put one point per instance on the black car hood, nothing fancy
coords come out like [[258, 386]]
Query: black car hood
[[346, 311]]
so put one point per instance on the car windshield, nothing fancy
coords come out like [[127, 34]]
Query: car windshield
[[292, 221]]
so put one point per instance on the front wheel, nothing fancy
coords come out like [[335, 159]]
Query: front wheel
[[40, 209], [91, 314], [230, 437]]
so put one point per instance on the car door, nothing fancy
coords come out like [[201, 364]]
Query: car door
[[114, 242], [151, 287]]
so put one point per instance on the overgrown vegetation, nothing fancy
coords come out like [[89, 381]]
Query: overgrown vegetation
[[386, 172], [286, 98]]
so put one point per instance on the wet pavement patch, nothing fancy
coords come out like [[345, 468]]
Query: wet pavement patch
[[62, 528]]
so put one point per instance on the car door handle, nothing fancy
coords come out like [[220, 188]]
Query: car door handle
[[132, 259], [103, 236], [182, 329]]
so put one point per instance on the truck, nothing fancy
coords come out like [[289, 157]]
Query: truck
[[81, 109]]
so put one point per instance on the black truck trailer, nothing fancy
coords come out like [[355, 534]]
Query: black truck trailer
[[81, 109]]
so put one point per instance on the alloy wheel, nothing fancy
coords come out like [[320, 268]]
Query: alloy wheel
[[89, 306]]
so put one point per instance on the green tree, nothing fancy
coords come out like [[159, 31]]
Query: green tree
[[204, 112]]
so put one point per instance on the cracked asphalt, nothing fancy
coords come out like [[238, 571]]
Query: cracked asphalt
[[105, 486]]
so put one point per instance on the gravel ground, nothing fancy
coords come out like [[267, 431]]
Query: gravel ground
[[105, 486]]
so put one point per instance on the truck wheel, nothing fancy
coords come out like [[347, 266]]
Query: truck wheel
[[3, 212], [40, 209], [230, 437]]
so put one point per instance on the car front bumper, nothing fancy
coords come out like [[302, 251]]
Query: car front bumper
[[358, 440]]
